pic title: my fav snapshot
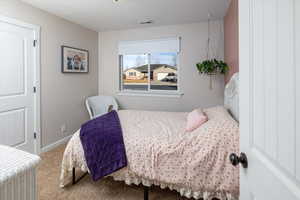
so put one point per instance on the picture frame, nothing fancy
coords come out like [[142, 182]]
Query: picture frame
[[74, 60]]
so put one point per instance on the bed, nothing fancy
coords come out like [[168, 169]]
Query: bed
[[161, 153]]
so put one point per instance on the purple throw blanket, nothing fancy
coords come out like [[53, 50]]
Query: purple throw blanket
[[103, 145]]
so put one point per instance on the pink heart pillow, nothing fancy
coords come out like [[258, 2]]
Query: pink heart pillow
[[195, 119]]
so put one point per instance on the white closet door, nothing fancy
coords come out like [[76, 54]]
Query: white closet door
[[270, 99], [16, 86]]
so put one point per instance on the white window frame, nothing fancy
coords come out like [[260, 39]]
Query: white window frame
[[149, 91]]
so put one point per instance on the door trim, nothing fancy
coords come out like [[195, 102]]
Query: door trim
[[37, 70]]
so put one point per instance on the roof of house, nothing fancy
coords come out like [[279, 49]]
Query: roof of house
[[144, 68]]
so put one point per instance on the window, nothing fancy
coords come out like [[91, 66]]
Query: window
[[163, 71], [149, 66], [132, 74]]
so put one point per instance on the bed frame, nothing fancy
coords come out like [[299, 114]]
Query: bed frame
[[231, 102], [74, 181]]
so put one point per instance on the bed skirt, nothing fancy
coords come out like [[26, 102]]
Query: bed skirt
[[183, 191], [135, 180]]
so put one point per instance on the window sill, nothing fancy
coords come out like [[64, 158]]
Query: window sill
[[151, 94]]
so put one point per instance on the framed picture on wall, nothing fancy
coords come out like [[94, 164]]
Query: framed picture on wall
[[74, 60]]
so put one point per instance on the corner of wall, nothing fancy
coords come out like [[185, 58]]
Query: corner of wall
[[231, 39], [100, 69]]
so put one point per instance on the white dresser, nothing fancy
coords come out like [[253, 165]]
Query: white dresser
[[17, 174]]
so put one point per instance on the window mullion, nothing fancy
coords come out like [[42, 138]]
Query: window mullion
[[178, 72], [149, 73], [121, 68]]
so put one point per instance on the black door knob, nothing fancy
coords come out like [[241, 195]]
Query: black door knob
[[242, 159]]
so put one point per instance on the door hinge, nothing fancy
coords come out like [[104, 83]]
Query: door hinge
[[34, 135], [34, 43], [34, 89]]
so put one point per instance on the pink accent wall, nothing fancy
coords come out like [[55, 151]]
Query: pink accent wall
[[231, 39]]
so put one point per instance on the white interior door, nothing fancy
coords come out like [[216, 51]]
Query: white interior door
[[17, 78], [270, 98]]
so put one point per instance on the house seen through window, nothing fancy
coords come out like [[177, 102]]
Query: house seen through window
[[151, 71]]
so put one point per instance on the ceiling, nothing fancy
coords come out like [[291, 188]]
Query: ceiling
[[102, 15]]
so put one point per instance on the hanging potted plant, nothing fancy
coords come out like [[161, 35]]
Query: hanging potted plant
[[211, 66]]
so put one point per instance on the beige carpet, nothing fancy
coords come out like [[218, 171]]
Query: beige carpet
[[86, 189]]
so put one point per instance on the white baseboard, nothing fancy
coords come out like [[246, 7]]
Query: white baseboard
[[56, 144]]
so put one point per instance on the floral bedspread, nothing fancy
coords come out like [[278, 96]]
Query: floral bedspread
[[160, 152]]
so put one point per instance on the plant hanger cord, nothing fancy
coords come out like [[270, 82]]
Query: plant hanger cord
[[208, 49], [208, 37]]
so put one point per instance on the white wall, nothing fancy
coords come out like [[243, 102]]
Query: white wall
[[194, 86], [62, 95]]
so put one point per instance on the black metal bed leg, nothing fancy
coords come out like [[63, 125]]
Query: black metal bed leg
[[146, 193], [74, 181], [73, 176]]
